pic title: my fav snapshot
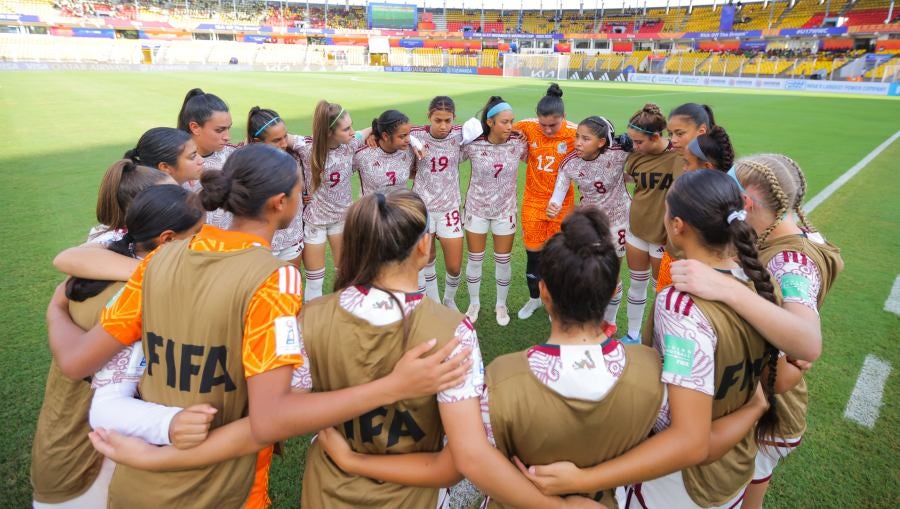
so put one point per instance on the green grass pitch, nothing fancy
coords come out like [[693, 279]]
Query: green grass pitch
[[61, 131]]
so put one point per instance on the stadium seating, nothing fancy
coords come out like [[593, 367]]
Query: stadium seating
[[722, 64], [763, 66], [891, 69], [685, 63]]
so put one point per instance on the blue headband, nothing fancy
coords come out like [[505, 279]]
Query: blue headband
[[733, 175], [267, 124], [694, 148], [641, 129], [499, 107]]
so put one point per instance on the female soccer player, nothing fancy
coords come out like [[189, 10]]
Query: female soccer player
[[66, 471], [491, 202], [436, 181], [596, 167], [386, 167], [550, 139], [266, 126], [122, 181], [207, 119], [327, 159], [805, 266], [566, 387], [654, 166], [169, 150], [687, 123], [712, 363], [240, 356]]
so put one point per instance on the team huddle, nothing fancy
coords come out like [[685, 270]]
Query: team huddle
[[187, 343]]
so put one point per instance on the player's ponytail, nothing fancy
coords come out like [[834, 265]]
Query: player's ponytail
[[153, 211], [122, 181], [711, 203], [551, 103], [197, 107], [251, 175], [379, 230], [580, 268], [258, 121], [158, 145], [325, 120]]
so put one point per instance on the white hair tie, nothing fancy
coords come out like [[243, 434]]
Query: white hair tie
[[740, 215]]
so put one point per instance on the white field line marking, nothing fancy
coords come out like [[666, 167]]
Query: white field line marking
[[865, 401], [892, 303], [826, 193]]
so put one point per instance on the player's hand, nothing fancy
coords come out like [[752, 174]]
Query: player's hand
[[59, 299], [420, 153], [124, 450], [759, 399], [553, 209], [415, 376], [554, 479], [371, 142], [802, 365], [190, 427], [336, 447], [701, 280]]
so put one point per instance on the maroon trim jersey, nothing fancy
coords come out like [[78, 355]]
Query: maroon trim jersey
[[380, 171], [335, 193], [493, 187], [437, 174], [601, 183]]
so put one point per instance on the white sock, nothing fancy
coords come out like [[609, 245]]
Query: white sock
[[431, 285], [612, 309], [503, 274], [314, 281], [637, 300], [473, 276], [451, 283]]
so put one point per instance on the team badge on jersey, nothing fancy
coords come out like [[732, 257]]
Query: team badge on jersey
[[562, 148], [287, 336]]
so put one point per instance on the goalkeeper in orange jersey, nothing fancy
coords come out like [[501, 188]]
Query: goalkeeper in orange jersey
[[550, 139]]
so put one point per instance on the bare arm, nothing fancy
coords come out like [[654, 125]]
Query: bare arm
[[77, 352], [683, 444], [729, 430], [483, 464], [790, 331], [277, 413], [427, 469], [230, 441], [93, 261]]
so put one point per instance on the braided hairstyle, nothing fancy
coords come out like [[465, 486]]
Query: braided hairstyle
[[580, 268], [648, 119], [326, 118], [716, 146], [259, 120], [705, 199], [780, 183]]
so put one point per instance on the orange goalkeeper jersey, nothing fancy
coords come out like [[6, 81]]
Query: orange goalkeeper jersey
[[545, 156]]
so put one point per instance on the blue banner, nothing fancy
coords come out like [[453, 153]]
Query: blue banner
[[491, 35], [438, 70], [461, 70], [412, 43], [754, 45], [813, 31], [310, 31], [726, 22], [101, 33], [256, 38], [722, 35]]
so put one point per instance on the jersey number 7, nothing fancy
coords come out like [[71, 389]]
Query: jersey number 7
[[499, 168]]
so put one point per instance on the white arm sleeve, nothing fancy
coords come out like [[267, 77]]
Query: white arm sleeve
[[415, 143], [115, 406], [561, 188], [471, 130]]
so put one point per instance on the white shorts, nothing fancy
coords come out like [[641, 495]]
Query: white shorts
[[655, 250], [318, 234], [619, 234], [446, 225], [95, 496], [502, 226], [289, 253], [667, 491], [768, 456]]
